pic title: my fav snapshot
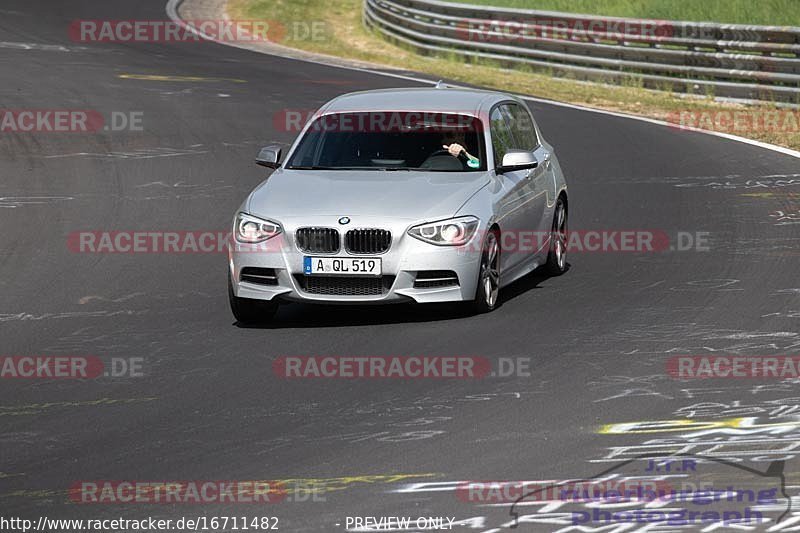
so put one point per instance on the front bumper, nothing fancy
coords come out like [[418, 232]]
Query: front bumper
[[401, 264]]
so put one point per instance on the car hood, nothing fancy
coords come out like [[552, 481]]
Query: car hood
[[398, 194]]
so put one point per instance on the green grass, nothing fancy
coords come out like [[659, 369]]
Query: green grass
[[768, 12]]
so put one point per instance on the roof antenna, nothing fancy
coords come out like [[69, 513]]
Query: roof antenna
[[441, 85]]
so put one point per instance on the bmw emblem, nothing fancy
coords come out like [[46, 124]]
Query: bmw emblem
[[344, 220]]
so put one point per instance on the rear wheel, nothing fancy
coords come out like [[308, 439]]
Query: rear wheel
[[488, 290], [249, 311], [557, 256]]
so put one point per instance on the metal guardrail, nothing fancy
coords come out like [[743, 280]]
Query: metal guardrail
[[724, 60]]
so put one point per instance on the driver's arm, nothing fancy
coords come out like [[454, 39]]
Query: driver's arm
[[455, 150]]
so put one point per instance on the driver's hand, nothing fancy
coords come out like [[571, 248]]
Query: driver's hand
[[455, 149]]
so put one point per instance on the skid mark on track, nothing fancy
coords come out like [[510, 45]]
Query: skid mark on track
[[630, 387], [771, 195], [176, 185], [20, 201], [727, 182], [709, 284], [738, 182], [157, 77], [755, 335], [38, 408], [786, 218], [35, 494], [14, 317], [129, 338], [643, 341], [772, 246], [24, 437], [143, 153], [788, 407], [39, 47], [783, 314], [393, 421], [182, 92], [86, 299], [160, 190], [694, 331], [188, 193], [341, 483]]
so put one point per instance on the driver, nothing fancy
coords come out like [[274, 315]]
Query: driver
[[454, 144]]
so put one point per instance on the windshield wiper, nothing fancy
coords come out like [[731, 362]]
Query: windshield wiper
[[316, 167], [381, 169], [313, 167], [421, 169]]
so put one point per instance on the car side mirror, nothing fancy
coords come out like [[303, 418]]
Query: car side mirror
[[269, 156], [518, 160]]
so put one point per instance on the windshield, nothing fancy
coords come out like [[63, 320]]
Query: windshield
[[438, 142]]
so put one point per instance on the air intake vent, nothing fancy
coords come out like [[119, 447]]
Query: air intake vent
[[429, 279], [367, 241], [260, 276], [345, 286], [317, 240]]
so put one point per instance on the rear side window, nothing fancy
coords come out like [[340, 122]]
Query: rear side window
[[522, 128], [502, 138]]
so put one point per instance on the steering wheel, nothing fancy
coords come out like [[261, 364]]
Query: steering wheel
[[439, 152], [443, 160]]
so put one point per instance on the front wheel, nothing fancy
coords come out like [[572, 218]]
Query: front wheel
[[557, 255], [486, 294], [249, 311]]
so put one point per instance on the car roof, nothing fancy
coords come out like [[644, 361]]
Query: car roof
[[441, 99]]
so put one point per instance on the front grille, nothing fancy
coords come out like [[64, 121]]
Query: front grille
[[367, 241], [345, 286], [260, 276], [317, 240], [429, 279]]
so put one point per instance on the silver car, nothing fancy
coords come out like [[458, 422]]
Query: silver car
[[401, 195]]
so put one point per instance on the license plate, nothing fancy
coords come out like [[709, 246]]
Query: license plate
[[343, 266]]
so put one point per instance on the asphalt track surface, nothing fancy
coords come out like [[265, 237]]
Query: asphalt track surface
[[209, 406]]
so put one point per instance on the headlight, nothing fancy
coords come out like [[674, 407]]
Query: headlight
[[452, 232], [251, 229]]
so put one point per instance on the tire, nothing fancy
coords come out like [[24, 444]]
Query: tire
[[488, 289], [249, 311], [557, 255]]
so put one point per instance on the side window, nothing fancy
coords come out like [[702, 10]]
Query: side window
[[502, 139], [523, 129]]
